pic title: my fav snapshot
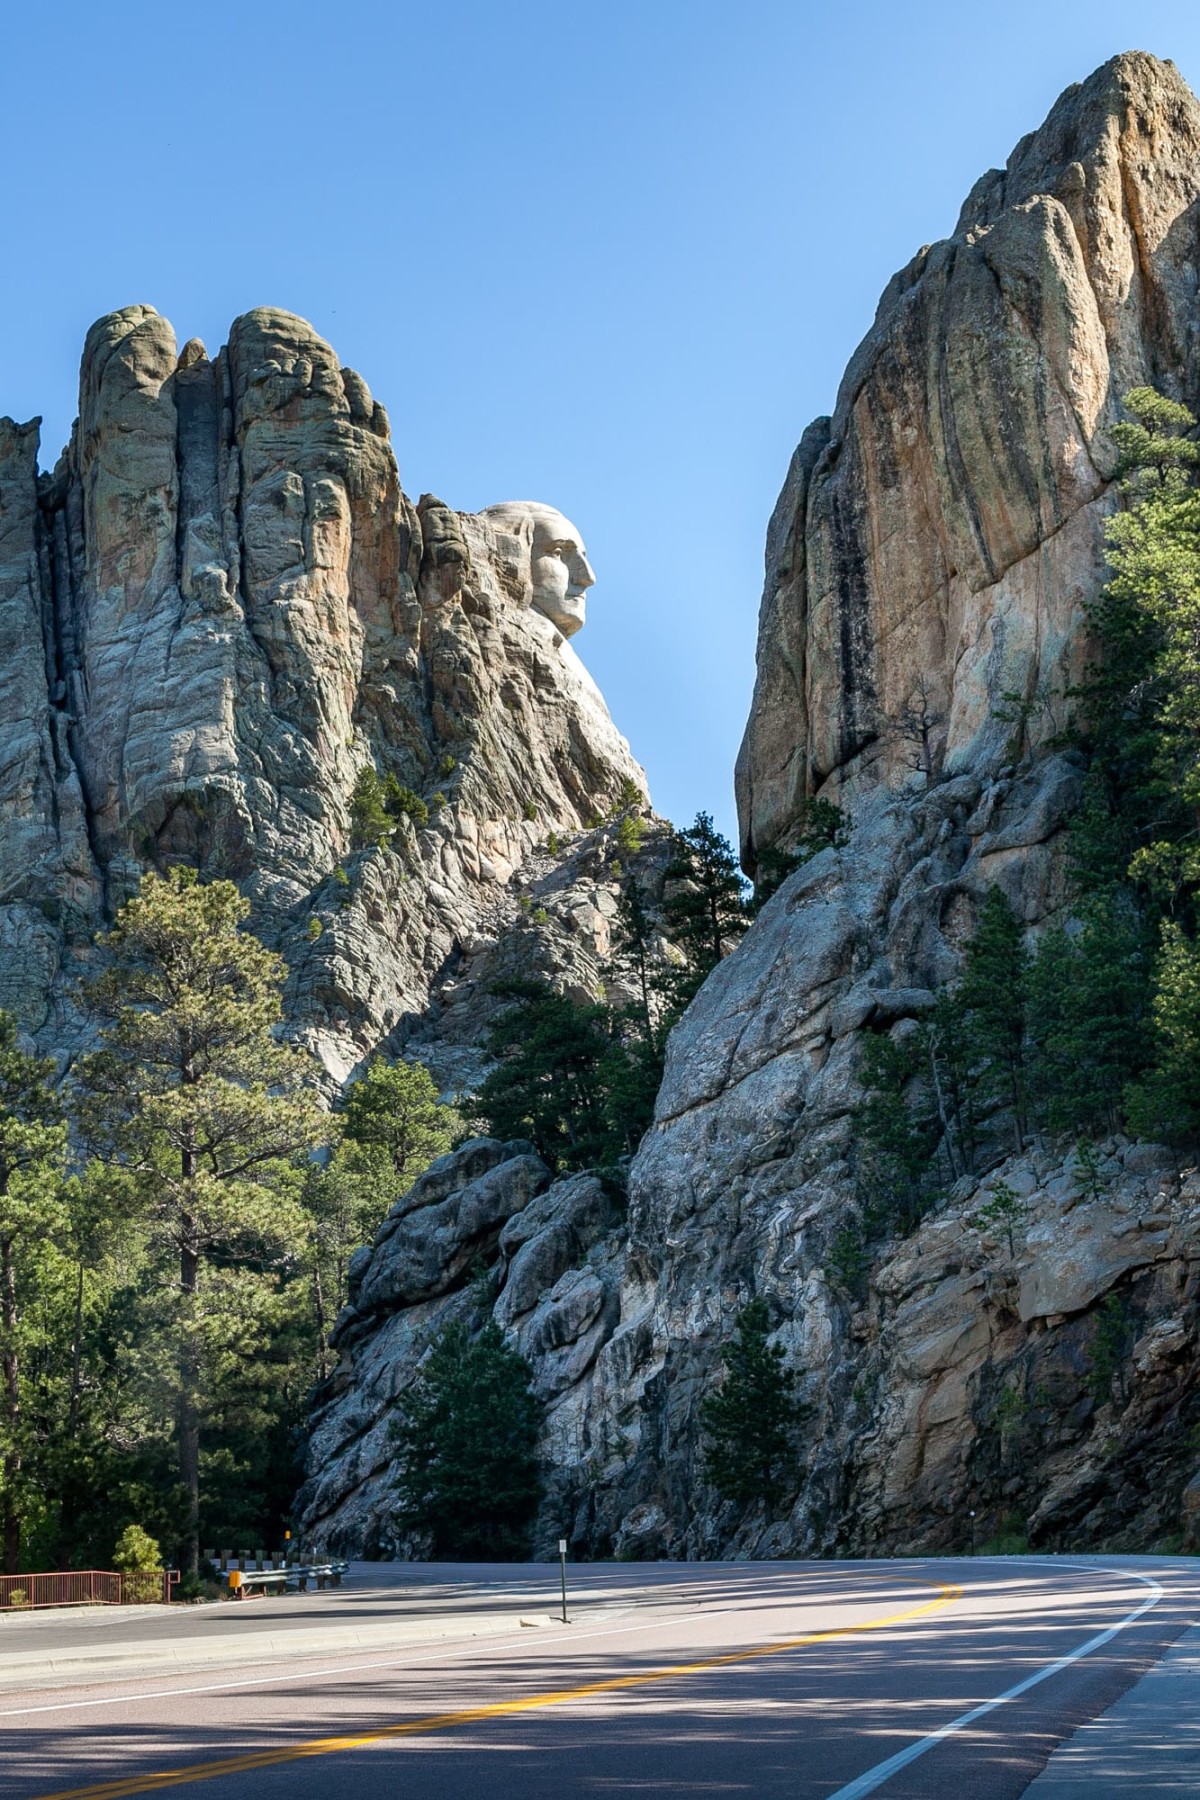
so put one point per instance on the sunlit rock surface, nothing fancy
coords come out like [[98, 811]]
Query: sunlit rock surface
[[218, 610], [936, 538]]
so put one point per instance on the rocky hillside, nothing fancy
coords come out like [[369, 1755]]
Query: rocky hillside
[[927, 568], [216, 613]]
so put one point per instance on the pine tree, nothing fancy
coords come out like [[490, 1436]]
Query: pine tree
[[630, 1075], [896, 1132], [33, 1224], [1135, 860], [949, 1057], [370, 822], [380, 807], [705, 905], [466, 1436], [1088, 1004], [202, 1117], [545, 1083], [750, 1421], [1166, 1102], [992, 997], [634, 937], [396, 1125]]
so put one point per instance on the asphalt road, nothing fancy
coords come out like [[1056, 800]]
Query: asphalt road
[[740, 1679]]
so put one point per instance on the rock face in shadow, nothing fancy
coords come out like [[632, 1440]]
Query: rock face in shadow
[[555, 1253], [216, 612]]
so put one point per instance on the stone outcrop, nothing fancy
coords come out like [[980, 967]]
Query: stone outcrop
[[936, 538], [555, 1257], [928, 567], [221, 607]]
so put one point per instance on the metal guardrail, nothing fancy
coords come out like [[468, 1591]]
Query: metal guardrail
[[85, 1587], [243, 1581]]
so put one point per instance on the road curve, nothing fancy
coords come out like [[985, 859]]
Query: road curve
[[912, 1678]]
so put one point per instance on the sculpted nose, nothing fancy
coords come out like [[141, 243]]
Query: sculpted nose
[[582, 575]]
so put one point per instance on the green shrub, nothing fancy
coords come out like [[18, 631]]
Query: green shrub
[[138, 1558], [1004, 1210], [848, 1261], [135, 1551], [631, 833], [1010, 1539], [403, 803], [1111, 1343]]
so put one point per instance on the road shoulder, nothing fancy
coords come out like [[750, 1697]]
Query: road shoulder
[[1148, 1742]]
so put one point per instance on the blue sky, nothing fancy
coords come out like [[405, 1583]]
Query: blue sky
[[612, 256]]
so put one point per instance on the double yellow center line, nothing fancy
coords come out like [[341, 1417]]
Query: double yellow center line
[[123, 1785]]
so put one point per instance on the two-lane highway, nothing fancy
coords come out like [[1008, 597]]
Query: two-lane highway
[[908, 1679]]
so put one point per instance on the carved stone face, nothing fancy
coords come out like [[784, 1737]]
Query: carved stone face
[[559, 569]]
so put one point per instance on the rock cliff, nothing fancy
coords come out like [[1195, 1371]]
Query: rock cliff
[[935, 537], [927, 568], [216, 612], [220, 608]]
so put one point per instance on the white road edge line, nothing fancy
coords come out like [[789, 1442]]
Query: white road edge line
[[875, 1778]]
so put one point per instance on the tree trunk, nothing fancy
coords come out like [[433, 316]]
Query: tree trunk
[[943, 1115], [644, 977], [188, 1411], [12, 1408], [319, 1311], [76, 1352]]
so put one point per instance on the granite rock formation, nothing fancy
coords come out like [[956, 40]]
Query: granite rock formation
[[927, 567], [936, 536], [217, 610], [221, 607], [928, 563]]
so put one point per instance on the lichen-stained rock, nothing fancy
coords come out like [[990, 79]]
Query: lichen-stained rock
[[936, 539], [219, 610]]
